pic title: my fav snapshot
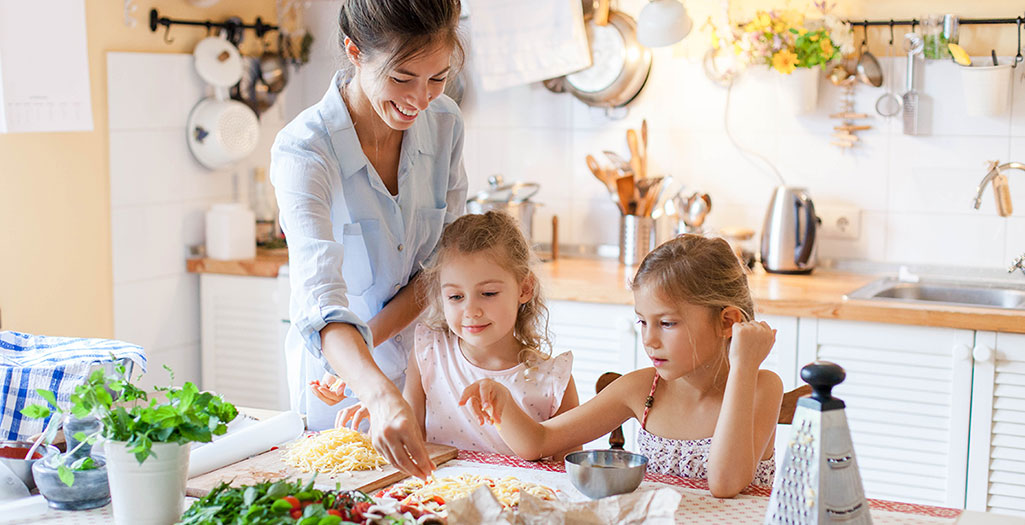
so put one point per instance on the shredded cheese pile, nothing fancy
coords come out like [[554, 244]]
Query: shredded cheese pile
[[333, 451], [506, 490]]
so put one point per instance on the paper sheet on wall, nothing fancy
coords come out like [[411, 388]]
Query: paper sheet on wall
[[44, 66], [521, 41]]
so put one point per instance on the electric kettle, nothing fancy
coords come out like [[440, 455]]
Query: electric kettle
[[789, 232]]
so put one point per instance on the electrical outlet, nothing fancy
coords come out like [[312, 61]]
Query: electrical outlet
[[839, 222]]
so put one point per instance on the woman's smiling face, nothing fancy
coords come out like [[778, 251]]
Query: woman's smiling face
[[399, 94]]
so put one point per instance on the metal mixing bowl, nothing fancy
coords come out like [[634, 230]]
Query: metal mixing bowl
[[21, 466], [601, 473]]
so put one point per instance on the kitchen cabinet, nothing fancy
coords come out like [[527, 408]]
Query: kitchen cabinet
[[996, 455], [908, 395], [242, 331]]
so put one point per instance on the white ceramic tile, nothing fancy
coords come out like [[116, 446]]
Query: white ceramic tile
[[147, 242], [145, 166], [158, 312], [184, 360], [850, 177], [942, 110], [594, 222], [527, 155], [1015, 239], [1015, 178], [870, 244], [949, 240], [1018, 102], [530, 105], [940, 174], [151, 90]]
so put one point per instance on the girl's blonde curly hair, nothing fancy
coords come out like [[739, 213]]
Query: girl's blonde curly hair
[[498, 235]]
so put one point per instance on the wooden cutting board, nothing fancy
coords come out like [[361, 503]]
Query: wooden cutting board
[[269, 467]]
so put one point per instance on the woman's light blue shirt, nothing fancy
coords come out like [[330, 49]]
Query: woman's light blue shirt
[[351, 244]]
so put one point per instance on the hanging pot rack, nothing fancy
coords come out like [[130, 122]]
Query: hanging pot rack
[[1019, 21], [234, 26]]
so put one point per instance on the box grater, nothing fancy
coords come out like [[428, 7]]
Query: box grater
[[818, 481]]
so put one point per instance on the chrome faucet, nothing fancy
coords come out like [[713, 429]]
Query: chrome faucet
[[1018, 264], [995, 168]]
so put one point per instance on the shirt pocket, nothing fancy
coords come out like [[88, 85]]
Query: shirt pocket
[[357, 265], [429, 224]]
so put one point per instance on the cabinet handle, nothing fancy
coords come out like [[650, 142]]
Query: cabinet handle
[[982, 354]]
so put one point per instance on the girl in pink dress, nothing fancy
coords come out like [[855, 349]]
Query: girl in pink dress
[[485, 319], [706, 410]]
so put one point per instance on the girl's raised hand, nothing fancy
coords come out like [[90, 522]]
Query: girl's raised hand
[[330, 389], [487, 399], [354, 414], [752, 341]]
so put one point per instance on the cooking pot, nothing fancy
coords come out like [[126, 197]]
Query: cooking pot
[[513, 199], [220, 131], [619, 65]]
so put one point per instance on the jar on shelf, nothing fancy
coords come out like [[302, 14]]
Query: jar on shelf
[[937, 31]]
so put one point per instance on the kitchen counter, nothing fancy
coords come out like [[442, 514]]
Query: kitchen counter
[[819, 295]]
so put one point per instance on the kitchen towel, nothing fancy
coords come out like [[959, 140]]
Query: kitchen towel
[[521, 41], [248, 441], [57, 364]]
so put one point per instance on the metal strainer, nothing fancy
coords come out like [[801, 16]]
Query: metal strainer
[[888, 104]]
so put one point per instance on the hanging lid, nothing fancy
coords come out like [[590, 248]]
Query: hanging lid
[[513, 192]]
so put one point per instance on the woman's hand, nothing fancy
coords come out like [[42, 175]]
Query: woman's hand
[[487, 399], [354, 414], [396, 434], [330, 389], [752, 342]]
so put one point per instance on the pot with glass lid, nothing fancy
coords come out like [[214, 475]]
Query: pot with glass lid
[[512, 198]]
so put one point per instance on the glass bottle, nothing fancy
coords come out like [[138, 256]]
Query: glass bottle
[[937, 31], [264, 207]]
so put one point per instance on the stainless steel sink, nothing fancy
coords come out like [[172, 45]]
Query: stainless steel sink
[[943, 292]]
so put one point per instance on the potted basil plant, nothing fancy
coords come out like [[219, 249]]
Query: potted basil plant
[[147, 441]]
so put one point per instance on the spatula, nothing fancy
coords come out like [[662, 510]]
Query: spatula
[[626, 189]]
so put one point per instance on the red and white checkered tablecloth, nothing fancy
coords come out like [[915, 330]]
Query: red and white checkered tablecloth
[[697, 505]]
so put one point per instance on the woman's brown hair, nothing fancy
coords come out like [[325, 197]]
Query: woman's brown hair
[[498, 235], [697, 270], [403, 29]]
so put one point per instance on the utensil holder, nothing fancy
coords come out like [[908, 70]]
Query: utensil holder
[[987, 89], [636, 238]]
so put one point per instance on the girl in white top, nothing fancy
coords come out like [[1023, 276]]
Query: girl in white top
[[705, 408], [485, 320]]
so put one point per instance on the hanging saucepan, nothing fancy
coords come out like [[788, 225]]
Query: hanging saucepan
[[619, 65], [513, 199]]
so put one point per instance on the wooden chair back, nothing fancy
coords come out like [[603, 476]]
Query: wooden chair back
[[786, 409]]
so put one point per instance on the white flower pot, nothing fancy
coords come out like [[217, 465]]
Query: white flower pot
[[151, 493], [987, 89], [798, 92]]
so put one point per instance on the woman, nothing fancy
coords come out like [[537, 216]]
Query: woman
[[366, 179]]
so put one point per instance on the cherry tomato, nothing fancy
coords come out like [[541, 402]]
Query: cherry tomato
[[296, 513], [335, 512], [292, 500]]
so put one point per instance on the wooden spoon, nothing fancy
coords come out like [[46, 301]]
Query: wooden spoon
[[636, 160], [644, 146]]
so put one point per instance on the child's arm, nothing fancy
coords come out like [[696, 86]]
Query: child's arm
[[492, 402], [750, 408], [413, 393], [570, 400]]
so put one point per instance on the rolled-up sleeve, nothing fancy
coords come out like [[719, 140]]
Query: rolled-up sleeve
[[304, 186], [457, 184]]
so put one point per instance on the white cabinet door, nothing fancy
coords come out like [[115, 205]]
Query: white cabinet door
[[602, 339], [996, 463], [907, 391], [242, 356], [783, 357]]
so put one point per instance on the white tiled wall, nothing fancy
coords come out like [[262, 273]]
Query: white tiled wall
[[158, 197], [914, 193]]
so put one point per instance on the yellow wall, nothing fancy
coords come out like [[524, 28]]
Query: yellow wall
[[55, 268]]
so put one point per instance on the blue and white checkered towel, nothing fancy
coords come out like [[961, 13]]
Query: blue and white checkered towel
[[57, 364]]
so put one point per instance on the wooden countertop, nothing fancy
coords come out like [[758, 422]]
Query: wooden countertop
[[817, 295]]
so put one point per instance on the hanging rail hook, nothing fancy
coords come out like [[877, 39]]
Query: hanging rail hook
[[891, 32], [167, 35], [1018, 58]]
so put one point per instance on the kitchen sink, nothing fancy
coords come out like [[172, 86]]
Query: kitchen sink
[[943, 292]]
